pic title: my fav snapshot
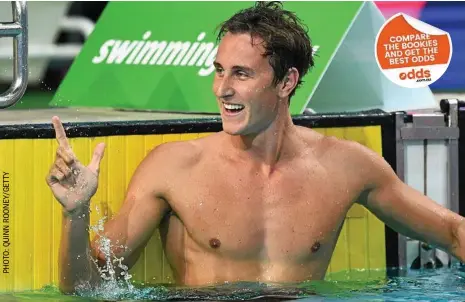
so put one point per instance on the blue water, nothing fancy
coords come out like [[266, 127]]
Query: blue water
[[447, 284]]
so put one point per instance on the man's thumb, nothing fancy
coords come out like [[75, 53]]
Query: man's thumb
[[97, 157]]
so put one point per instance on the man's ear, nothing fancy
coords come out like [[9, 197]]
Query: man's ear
[[289, 82]]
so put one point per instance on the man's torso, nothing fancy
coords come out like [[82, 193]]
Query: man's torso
[[232, 222]]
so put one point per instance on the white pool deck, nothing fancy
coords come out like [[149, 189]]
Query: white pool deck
[[85, 115]]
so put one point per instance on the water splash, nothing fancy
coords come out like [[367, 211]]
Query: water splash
[[112, 286]]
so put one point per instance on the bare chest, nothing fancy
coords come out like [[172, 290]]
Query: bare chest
[[294, 215]]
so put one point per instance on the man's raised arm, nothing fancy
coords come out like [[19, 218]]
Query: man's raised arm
[[73, 185]]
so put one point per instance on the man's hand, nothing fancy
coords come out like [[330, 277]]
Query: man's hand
[[72, 183]]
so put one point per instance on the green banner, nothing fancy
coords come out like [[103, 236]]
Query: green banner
[[159, 55]]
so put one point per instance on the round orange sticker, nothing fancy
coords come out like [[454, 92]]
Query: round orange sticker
[[412, 53]]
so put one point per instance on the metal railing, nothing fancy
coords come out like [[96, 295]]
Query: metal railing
[[18, 31], [427, 159]]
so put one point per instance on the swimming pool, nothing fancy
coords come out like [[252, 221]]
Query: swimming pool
[[446, 284]]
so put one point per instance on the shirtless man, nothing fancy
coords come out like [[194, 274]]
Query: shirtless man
[[263, 200]]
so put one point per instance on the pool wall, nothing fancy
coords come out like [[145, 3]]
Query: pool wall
[[31, 222]]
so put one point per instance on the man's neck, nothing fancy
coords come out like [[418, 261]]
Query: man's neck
[[269, 145]]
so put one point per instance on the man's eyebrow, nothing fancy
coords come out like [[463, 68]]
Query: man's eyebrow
[[235, 67], [245, 68]]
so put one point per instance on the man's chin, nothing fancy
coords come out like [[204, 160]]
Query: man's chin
[[233, 132], [233, 129]]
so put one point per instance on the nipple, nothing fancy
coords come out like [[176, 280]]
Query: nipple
[[316, 246], [215, 243]]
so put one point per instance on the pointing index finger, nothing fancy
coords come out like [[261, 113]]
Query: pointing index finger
[[60, 133]]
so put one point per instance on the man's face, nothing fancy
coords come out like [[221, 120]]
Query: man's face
[[243, 85]]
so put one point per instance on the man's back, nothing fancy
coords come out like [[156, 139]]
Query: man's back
[[232, 219]]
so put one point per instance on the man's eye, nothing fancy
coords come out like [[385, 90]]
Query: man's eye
[[241, 74]]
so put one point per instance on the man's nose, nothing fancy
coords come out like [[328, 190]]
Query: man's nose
[[224, 89]]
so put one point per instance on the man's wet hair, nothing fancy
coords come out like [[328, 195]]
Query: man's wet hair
[[285, 37]]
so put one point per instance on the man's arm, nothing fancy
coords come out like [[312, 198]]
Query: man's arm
[[132, 227], [405, 209]]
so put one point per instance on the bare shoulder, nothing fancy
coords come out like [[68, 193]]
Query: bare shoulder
[[174, 154], [181, 154], [322, 145], [338, 147], [350, 156], [160, 169]]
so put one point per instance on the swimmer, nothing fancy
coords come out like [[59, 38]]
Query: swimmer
[[262, 200]]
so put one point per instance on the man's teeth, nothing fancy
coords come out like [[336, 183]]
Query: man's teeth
[[233, 107]]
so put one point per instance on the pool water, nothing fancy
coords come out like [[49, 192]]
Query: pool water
[[446, 284]]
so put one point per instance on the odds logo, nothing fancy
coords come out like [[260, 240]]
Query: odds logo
[[412, 53]]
